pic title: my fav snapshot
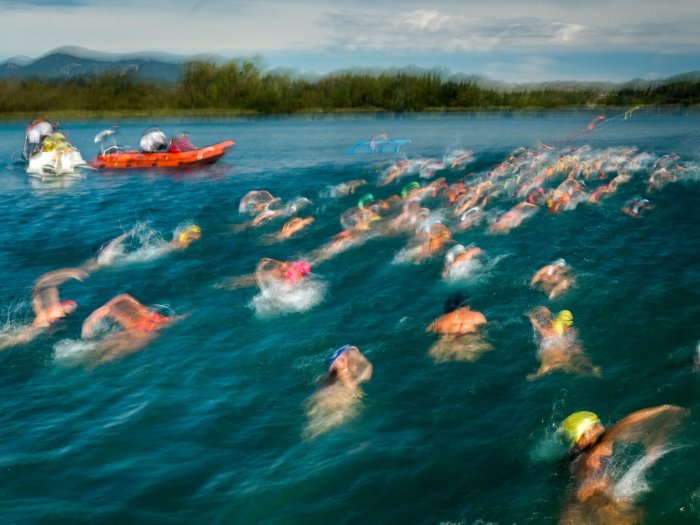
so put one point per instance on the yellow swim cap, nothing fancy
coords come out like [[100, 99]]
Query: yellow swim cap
[[565, 317], [576, 425], [188, 232]]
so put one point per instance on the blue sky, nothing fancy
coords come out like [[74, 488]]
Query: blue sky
[[508, 40]]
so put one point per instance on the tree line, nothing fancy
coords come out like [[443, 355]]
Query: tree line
[[242, 86]]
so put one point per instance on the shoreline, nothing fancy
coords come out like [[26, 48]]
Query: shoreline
[[229, 113]]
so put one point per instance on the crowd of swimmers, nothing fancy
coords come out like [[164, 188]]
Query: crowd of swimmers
[[529, 181]]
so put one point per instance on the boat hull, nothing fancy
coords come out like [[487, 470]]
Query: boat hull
[[135, 159], [56, 163]]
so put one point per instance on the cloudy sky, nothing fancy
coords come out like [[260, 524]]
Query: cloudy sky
[[509, 40]]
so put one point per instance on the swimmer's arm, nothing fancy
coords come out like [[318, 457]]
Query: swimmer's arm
[[233, 283], [107, 252], [647, 426], [92, 320], [363, 372], [560, 288], [538, 275]]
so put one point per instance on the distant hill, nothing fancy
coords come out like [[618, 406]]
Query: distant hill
[[71, 61], [74, 62]]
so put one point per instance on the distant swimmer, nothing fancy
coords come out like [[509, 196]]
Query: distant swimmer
[[558, 347], [293, 226], [343, 189], [604, 466], [458, 329], [459, 260], [256, 201], [636, 207], [554, 278], [47, 305], [138, 325], [339, 397], [513, 218], [429, 241], [346, 239], [471, 217], [149, 246], [281, 272], [270, 272]]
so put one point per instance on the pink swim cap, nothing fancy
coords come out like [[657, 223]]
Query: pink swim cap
[[297, 270], [70, 303], [303, 267]]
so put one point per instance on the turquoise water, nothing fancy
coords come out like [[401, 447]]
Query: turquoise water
[[204, 424]]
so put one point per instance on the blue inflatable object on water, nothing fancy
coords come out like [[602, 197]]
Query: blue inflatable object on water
[[379, 144]]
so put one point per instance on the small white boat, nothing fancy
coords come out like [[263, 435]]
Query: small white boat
[[52, 156]]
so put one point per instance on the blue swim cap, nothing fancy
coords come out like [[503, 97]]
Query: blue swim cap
[[337, 353]]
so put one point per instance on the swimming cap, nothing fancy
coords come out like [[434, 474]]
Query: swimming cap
[[337, 353], [563, 320], [189, 231], [576, 425], [302, 267], [69, 302], [365, 198], [565, 317], [408, 187], [456, 300]]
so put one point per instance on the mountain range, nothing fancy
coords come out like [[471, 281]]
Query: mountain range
[[70, 62]]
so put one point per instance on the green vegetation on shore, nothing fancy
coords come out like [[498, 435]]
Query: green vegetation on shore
[[240, 87]]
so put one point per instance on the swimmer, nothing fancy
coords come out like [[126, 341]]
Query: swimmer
[[346, 239], [113, 250], [553, 279], [458, 258], [597, 463], [635, 207], [139, 325], [407, 220], [471, 217], [513, 218], [47, 305], [344, 188], [183, 237], [458, 329], [256, 201], [338, 399], [427, 244], [293, 226], [271, 271], [558, 347]]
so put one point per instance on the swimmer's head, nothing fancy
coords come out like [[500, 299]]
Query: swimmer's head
[[575, 426], [408, 187], [456, 300], [67, 307], [561, 263], [296, 271], [364, 199], [189, 234], [337, 353], [565, 317], [453, 252], [562, 321]]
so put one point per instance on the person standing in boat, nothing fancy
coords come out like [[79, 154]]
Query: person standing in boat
[[35, 133], [153, 140]]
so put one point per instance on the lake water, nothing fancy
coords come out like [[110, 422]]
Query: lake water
[[205, 423]]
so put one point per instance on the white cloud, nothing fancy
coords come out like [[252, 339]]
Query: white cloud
[[430, 21]]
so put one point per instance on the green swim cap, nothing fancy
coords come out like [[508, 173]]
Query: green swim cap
[[365, 198], [576, 425], [408, 187]]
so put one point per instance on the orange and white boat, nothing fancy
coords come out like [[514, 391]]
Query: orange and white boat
[[179, 153]]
